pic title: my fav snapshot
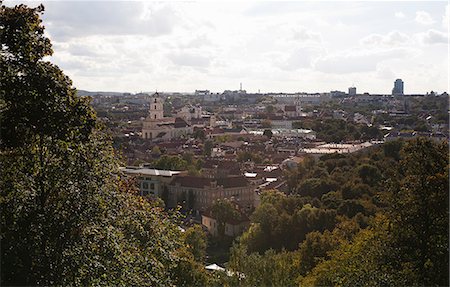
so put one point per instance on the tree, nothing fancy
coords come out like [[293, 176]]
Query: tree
[[223, 211], [392, 149], [268, 133], [37, 99], [408, 244], [199, 134], [355, 264], [196, 242], [315, 248], [369, 174], [316, 187], [268, 269], [156, 151], [270, 109], [419, 208], [67, 216], [167, 162], [207, 148], [266, 124]]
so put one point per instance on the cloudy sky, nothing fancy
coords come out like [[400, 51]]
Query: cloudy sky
[[268, 46]]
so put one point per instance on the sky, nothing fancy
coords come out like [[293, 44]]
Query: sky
[[268, 46]]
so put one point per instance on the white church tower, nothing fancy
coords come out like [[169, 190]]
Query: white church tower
[[156, 111], [156, 126]]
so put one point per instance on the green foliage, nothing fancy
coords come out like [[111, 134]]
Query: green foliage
[[349, 184], [283, 221], [223, 139], [268, 269], [196, 242], [268, 133], [270, 109], [36, 98], [316, 187], [317, 246], [156, 151], [167, 162], [223, 211], [199, 134], [369, 174], [401, 227], [408, 244], [67, 216], [354, 190], [266, 124], [245, 156], [336, 130], [188, 272], [355, 264], [419, 208], [207, 148], [392, 149]]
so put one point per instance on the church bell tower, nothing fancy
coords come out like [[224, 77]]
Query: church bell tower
[[156, 111]]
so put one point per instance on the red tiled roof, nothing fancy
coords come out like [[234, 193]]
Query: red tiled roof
[[276, 118], [217, 131], [180, 123], [227, 164], [290, 108], [201, 182], [192, 181], [163, 120], [230, 182]]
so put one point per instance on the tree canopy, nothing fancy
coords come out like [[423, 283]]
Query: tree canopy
[[383, 222], [67, 215]]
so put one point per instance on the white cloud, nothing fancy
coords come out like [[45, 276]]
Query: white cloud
[[434, 37], [67, 20], [360, 60], [385, 72], [300, 58], [272, 46], [190, 59], [304, 34], [393, 38], [424, 18], [446, 17], [400, 15]]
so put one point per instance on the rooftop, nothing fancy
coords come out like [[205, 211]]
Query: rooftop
[[132, 170]]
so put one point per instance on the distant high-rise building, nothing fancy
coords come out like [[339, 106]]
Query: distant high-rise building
[[352, 91], [398, 87]]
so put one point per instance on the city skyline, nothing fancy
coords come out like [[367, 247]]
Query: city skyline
[[267, 46]]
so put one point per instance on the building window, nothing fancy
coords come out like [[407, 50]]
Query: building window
[[145, 185], [152, 186]]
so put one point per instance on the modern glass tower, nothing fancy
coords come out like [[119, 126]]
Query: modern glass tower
[[398, 87]]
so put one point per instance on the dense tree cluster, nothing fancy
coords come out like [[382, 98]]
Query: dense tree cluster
[[279, 215], [384, 221], [67, 216], [337, 130]]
